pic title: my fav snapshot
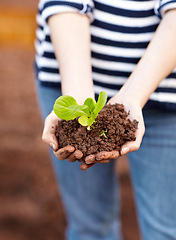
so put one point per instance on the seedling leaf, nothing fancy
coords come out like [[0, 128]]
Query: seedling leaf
[[66, 108], [83, 120], [100, 103], [103, 133], [91, 103]]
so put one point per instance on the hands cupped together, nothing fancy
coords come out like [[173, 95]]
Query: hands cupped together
[[71, 154]]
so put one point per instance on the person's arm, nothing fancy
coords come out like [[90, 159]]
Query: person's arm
[[70, 35], [158, 61]]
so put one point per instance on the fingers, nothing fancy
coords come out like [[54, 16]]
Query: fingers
[[107, 155], [103, 161], [85, 166], [50, 126], [64, 153], [93, 158], [77, 155], [90, 159], [102, 157]]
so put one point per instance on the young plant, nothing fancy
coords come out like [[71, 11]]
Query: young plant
[[103, 133], [67, 108]]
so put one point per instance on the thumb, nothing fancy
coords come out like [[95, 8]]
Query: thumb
[[134, 145], [50, 127]]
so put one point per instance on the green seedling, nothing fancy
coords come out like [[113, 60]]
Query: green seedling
[[67, 108], [103, 133]]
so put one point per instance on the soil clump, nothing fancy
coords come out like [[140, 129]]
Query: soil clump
[[110, 131]]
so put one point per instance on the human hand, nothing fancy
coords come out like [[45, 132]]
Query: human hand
[[101, 157], [49, 137], [135, 113]]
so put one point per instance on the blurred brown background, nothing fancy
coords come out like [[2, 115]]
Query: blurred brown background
[[30, 205]]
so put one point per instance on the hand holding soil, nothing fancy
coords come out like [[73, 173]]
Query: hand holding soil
[[49, 137], [135, 112], [111, 130], [114, 133], [68, 152]]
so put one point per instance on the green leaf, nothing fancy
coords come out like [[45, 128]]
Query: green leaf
[[91, 120], [66, 101], [66, 108], [103, 133], [100, 103], [83, 120], [91, 103], [85, 109]]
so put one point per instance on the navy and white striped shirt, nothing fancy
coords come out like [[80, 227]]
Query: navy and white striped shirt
[[120, 33]]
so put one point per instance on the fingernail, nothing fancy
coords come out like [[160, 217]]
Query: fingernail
[[125, 150], [89, 161], [83, 169], [53, 146]]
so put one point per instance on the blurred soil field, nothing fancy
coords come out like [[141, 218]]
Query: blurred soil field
[[30, 204]]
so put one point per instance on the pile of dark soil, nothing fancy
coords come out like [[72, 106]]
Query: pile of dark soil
[[110, 131]]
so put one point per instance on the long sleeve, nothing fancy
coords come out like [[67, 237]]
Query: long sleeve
[[164, 5], [48, 8]]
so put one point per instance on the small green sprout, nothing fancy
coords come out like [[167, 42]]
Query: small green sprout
[[67, 108], [103, 133]]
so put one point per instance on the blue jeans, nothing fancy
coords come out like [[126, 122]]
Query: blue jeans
[[91, 198]]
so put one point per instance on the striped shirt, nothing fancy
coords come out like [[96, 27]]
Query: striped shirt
[[120, 33]]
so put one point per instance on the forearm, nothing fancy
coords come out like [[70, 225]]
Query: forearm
[[70, 34], [158, 61]]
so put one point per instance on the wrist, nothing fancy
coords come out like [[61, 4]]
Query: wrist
[[137, 89], [129, 98]]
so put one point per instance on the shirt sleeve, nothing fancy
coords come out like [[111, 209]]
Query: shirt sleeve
[[48, 8], [162, 6]]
